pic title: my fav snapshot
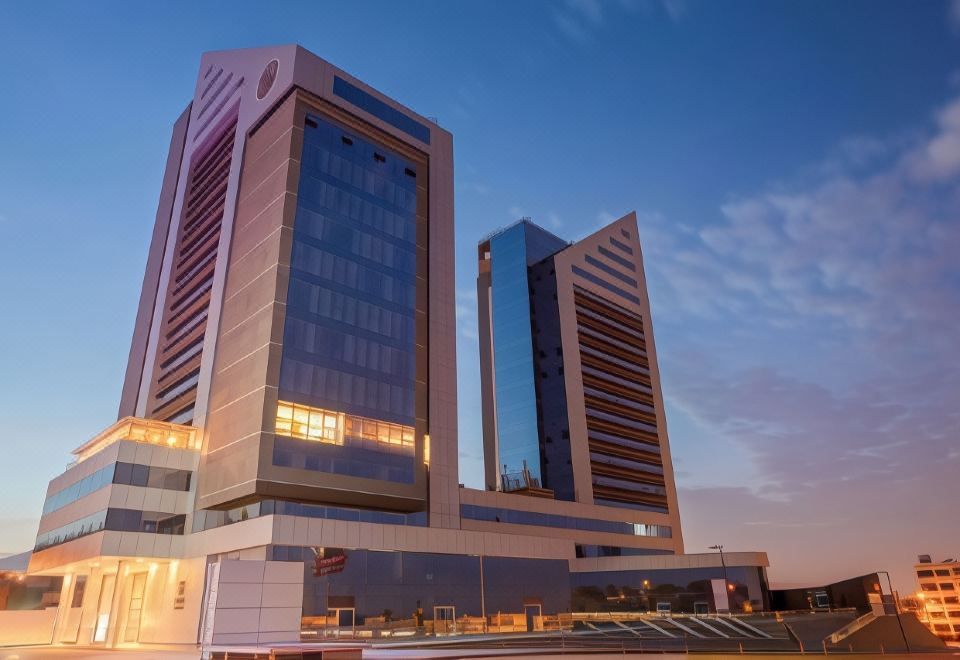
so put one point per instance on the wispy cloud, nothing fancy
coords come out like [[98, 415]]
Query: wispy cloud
[[828, 318], [676, 9], [954, 13], [580, 20], [516, 212], [873, 252], [475, 187], [573, 28]]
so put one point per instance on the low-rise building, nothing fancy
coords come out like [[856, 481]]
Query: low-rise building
[[938, 597]]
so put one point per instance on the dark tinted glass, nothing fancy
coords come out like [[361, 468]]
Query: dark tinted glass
[[642, 590], [380, 109], [402, 582], [512, 252], [123, 473], [515, 517], [140, 475], [349, 339], [87, 525], [152, 477], [208, 519]]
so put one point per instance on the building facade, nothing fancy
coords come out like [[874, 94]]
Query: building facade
[[572, 406], [938, 598], [285, 458]]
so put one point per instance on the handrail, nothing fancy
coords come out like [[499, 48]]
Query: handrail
[[852, 627]]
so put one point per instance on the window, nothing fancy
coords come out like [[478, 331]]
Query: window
[[617, 244], [946, 586], [596, 263], [129, 474], [516, 517], [307, 423], [78, 591], [928, 587], [605, 284], [924, 573], [380, 109], [943, 572]]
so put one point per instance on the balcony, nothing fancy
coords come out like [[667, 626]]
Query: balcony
[[148, 431]]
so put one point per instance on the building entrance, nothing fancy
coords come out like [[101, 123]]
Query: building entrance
[[531, 612], [444, 620], [344, 619], [131, 631]]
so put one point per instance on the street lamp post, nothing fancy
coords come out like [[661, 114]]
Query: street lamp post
[[726, 581], [896, 609]]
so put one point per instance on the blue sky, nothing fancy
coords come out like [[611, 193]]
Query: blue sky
[[795, 167]]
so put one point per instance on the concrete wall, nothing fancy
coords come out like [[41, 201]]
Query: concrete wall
[[26, 627]]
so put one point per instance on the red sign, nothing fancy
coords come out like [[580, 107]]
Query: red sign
[[328, 565]]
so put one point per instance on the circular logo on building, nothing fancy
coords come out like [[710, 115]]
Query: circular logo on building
[[267, 78]]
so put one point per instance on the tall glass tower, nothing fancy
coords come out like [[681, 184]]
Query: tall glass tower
[[297, 303], [572, 407]]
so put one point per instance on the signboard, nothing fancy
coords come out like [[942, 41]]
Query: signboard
[[328, 564], [180, 598]]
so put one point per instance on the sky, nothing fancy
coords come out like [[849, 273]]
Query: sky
[[795, 167]]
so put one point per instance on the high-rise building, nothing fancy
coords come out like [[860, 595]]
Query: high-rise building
[[299, 280], [572, 406], [285, 459]]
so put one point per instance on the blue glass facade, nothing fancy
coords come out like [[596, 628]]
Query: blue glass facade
[[511, 253], [349, 336], [128, 474], [211, 518], [376, 581], [381, 110], [680, 588], [116, 520], [552, 416], [518, 517]]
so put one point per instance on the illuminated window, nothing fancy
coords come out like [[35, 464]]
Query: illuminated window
[[306, 423], [141, 430]]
